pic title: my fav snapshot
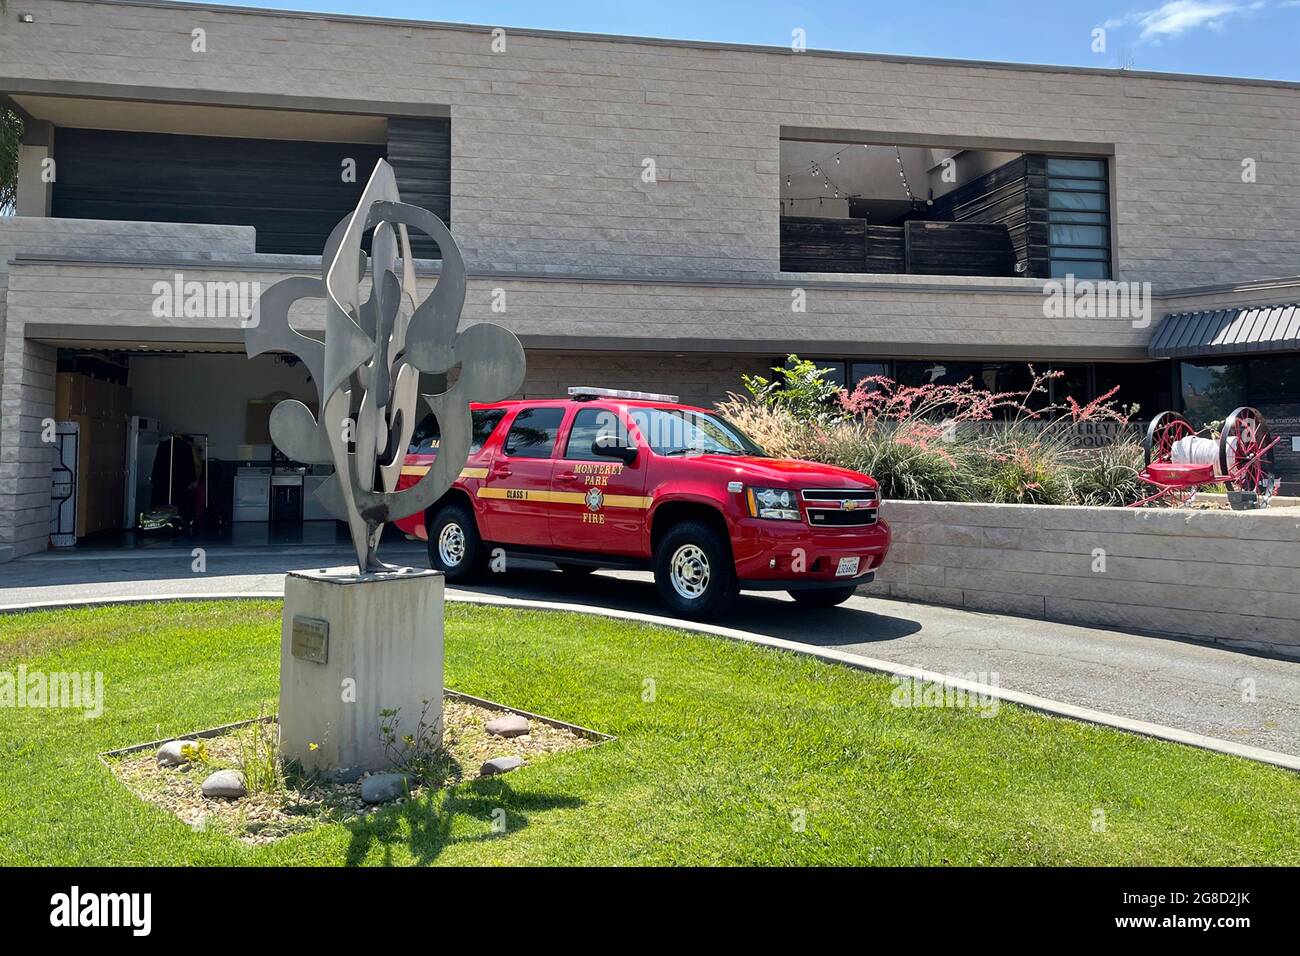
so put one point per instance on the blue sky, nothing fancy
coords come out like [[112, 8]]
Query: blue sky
[[1256, 38]]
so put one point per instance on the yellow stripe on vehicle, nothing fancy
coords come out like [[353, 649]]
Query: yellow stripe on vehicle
[[464, 472], [563, 497]]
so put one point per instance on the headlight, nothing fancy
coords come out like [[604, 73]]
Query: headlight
[[776, 503]]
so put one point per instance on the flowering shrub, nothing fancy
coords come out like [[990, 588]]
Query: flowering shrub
[[946, 442]]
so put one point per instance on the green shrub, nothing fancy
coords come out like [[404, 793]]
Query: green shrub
[[1107, 476], [800, 388], [905, 469], [941, 442]]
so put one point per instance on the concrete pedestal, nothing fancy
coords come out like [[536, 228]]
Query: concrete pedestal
[[352, 645]]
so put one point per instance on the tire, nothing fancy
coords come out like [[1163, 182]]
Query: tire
[[577, 570], [823, 597], [704, 584], [453, 531]]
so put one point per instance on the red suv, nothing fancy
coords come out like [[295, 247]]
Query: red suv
[[616, 479]]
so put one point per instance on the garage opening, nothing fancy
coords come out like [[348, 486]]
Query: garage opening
[[169, 446]]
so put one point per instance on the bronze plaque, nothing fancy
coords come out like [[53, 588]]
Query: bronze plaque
[[310, 640]]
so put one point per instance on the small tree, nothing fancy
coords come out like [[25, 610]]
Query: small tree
[[11, 136], [800, 388]]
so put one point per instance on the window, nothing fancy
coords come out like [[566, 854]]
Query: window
[[1078, 218], [588, 425], [1145, 384], [860, 370], [425, 438], [532, 434], [681, 432], [1212, 390]]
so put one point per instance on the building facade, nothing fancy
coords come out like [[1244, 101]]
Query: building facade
[[646, 214]]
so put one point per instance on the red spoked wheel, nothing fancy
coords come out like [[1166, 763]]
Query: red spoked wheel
[[1246, 450], [1165, 429]]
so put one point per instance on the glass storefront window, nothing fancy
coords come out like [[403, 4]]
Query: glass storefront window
[[1210, 392], [860, 370]]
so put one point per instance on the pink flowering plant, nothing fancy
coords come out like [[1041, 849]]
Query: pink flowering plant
[[949, 442]]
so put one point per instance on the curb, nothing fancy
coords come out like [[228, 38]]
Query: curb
[[1031, 701]]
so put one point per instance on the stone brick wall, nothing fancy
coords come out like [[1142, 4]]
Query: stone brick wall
[[696, 379], [1218, 576], [549, 137], [885, 317]]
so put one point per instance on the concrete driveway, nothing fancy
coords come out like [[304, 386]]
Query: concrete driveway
[[1206, 690]]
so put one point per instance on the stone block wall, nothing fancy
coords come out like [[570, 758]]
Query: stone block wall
[[1219, 576]]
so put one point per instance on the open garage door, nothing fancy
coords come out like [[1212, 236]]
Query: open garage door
[[174, 443]]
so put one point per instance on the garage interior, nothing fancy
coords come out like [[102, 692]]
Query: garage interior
[[173, 445]]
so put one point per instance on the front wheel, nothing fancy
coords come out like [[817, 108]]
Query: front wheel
[[455, 547], [694, 572], [823, 597]]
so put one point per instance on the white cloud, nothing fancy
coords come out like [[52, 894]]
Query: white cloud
[[1177, 17]]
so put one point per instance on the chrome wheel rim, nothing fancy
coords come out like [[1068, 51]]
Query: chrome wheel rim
[[689, 571], [451, 544]]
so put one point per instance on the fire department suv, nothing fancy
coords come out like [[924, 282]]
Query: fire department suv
[[617, 479]]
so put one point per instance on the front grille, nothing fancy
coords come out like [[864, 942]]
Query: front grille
[[840, 507]]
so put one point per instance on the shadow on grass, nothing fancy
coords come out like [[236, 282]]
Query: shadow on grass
[[429, 821]]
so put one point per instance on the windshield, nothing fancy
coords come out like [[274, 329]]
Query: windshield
[[683, 432]]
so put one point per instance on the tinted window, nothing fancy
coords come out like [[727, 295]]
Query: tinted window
[[532, 434], [1078, 217], [588, 425], [424, 440]]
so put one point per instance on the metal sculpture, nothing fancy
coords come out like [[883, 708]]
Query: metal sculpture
[[367, 369]]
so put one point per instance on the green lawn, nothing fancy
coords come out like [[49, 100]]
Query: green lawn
[[738, 742]]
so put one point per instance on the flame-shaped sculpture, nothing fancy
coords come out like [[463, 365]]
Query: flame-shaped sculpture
[[371, 359]]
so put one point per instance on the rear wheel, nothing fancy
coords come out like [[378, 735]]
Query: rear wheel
[[455, 547], [1246, 451], [824, 597], [694, 572]]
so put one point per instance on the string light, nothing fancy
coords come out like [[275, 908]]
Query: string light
[[898, 154]]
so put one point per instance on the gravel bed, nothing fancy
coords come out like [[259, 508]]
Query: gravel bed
[[302, 803]]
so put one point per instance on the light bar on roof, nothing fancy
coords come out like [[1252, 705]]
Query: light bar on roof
[[587, 391]]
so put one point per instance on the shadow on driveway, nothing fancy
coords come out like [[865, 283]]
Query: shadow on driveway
[[861, 621]]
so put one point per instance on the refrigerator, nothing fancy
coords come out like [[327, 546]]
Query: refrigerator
[[142, 438]]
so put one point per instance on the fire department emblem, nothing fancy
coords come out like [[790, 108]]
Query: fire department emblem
[[594, 499]]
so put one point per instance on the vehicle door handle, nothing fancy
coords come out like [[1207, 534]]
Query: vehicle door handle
[[501, 472], [568, 478]]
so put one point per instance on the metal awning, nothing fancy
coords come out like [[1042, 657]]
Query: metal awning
[[1238, 331]]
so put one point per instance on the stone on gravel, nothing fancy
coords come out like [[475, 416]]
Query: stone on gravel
[[511, 725], [225, 783], [382, 787], [169, 754], [346, 774], [500, 765]]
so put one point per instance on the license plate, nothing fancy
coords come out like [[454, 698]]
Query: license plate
[[847, 567]]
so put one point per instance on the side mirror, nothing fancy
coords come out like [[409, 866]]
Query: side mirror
[[614, 446]]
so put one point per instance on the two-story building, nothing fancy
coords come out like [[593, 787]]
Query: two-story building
[[649, 214]]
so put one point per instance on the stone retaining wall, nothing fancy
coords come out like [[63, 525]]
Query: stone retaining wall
[[1231, 578]]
